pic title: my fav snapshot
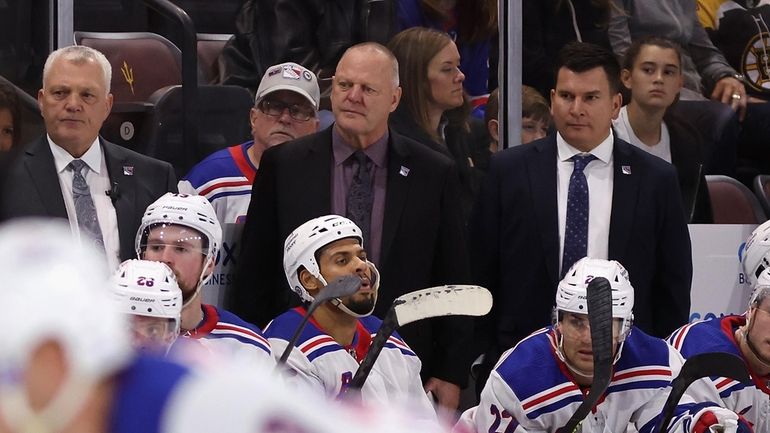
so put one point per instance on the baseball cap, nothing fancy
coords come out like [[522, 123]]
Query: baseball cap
[[289, 76]]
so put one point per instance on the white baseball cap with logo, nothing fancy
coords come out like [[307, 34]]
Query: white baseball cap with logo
[[289, 76]]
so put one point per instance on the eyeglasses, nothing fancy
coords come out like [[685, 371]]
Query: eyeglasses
[[297, 112]]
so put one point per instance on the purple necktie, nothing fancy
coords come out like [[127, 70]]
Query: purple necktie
[[360, 196], [576, 227]]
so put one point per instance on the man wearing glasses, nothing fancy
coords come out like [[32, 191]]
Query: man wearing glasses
[[285, 108]]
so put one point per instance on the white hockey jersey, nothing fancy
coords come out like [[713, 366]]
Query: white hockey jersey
[[532, 390], [718, 335], [224, 334], [322, 363], [225, 179]]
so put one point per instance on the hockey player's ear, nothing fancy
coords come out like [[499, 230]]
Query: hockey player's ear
[[309, 281]]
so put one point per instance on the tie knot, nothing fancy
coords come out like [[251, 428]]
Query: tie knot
[[77, 165], [581, 161], [361, 157]]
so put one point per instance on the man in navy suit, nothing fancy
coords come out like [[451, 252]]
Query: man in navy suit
[[522, 230], [71, 172], [416, 235]]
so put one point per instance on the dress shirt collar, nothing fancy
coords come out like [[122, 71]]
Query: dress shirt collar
[[602, 152], [377, 151], [62, 158]]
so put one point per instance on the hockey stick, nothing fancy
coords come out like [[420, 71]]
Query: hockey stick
[[600, 319], [454, 300], [719, 364], [342, 286]]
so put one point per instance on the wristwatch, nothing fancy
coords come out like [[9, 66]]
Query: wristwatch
[[739, 77]]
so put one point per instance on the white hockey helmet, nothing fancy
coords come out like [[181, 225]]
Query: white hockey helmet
[[756, 253], [193, 211], [571, 294], [761, 288], [147, 288], [304, 243], [57, 293]]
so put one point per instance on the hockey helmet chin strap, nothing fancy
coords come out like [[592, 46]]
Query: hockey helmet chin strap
[[560, 351], [202, 279], [375, 283], [749, 326]]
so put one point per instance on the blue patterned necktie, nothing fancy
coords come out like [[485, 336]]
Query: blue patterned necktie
[[576, 227], [360, 196], [85, 210]]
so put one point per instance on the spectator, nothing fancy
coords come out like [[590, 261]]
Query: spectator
[[321, 250], [285, 108], [535, 117], [432, 108], [100, 187], [10, 118], [183, 232], [313, 34], [534, 383], [551, 24], [406, 204], [472, 25], [652, 73], [705, 70], [524, 236]]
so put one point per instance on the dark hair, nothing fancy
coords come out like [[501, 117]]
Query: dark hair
[[476, 19], [534, 105], [582, 57], [493, 106], [9, 100], [638, 44]]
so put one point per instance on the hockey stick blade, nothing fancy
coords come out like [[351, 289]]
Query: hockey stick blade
[[599, 302], [719, 364], [451, 300], [342, 286]]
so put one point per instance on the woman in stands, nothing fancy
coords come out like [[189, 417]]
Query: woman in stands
[[434, 108], [652, 73]]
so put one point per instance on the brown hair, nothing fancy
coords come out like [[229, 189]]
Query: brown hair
[[415, 48], [9, 100], [657, 41], [534, 105], [492, 107], [478, 17]]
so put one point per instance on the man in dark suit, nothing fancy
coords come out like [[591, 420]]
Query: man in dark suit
[[524, 229], [101, 188], [415, 234]]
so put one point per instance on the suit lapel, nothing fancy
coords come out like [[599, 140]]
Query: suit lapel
[[541, 172], [121, 173], [624, 196], [316, 174], [396, 193], [42, 172]]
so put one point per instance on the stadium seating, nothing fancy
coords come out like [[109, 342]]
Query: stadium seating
[[209, 47], [732, 202], [762, 191]]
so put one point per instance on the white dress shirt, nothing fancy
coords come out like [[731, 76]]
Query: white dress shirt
[[599, 176], [98, 182]]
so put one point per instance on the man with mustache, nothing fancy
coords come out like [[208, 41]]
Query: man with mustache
[[339, 332], [183, 232]]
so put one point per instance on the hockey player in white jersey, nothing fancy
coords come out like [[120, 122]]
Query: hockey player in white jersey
[[183, 232], [537, 385], [148, 293], [339, 333], [66, 363], [746, 335]]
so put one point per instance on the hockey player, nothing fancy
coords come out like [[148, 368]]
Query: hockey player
[[148, 293], [183, 232], [66, 363], [746, 335], [537, 385], [339, 332]]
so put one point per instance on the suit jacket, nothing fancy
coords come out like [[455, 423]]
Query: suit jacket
[[515, 242], [423, 239], [33, 187], [687, 157]]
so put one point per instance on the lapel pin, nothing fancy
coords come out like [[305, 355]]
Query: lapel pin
[[404, 171], [128, 170], [625, 169]]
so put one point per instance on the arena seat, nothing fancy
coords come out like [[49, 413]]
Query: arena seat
[[732, 202], [209, 47], [762, 191]]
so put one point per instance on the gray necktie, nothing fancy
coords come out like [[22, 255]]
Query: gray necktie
[[85, 210], [360, 196]]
